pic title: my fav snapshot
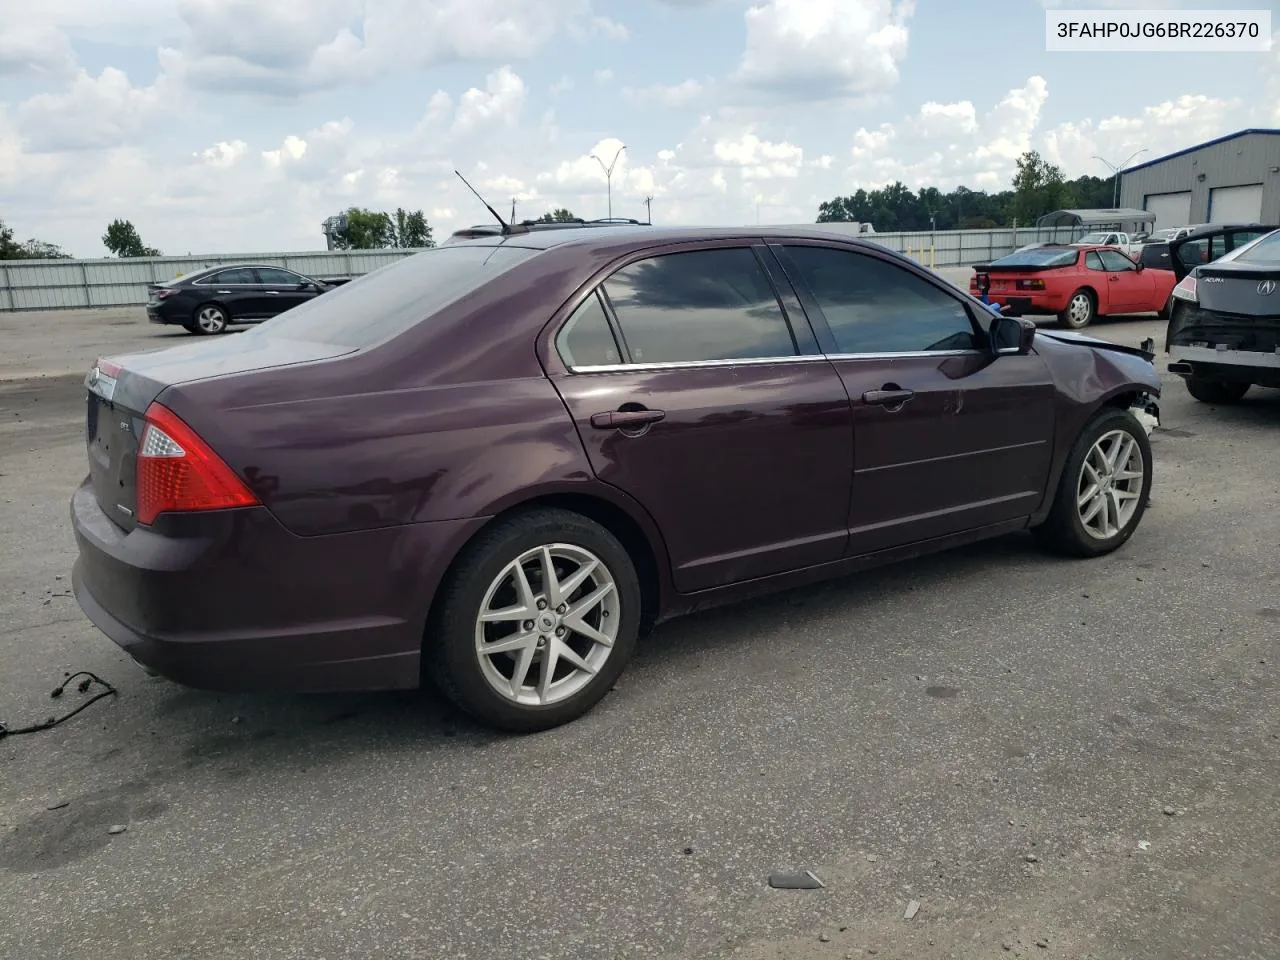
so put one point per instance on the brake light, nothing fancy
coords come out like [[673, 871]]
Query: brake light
[[179, 473], [1030, 284], [1186, 289], [162, 293]]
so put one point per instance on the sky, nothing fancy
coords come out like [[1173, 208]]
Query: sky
[[237, 126]]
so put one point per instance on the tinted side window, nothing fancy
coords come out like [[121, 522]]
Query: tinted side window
[[701, 305], [1115, 262], [1093, 261], [278, 277], [237, 275], [586, 340], [876, 307]]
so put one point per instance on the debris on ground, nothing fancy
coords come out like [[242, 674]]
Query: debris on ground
[[912, 909], [1031, 858], [1170, 812], [804, 880], [116, 830], [1144, 844]]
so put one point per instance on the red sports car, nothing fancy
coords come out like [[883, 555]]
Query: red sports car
[[1075, 283]]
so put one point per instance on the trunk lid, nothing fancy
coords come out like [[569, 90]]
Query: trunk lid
[[120, 389], [1241, 289]]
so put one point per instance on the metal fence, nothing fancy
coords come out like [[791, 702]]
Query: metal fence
[[89, 284]]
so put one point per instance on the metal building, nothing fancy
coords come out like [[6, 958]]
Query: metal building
[[1233, 179]]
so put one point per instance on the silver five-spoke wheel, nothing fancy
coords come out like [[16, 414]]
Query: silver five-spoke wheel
[[1109, 490], [547, 624], [211, 319]]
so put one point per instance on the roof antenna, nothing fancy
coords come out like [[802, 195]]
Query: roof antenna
[[507, 228]]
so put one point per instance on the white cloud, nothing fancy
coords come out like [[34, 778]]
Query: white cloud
[[674, 95], [759, 159], [93, 113], [824, 49], [224, 154], [34, 48], [604, 76], [499, 103]]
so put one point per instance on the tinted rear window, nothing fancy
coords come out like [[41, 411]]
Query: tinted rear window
[[394, 298], [1266, 250], [1041, 257]]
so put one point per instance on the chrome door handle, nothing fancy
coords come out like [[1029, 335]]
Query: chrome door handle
[[222, 291], [273, 293]]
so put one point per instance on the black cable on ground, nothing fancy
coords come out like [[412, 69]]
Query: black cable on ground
[[83, 686]]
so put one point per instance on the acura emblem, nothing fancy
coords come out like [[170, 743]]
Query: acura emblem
[[1266, 288]]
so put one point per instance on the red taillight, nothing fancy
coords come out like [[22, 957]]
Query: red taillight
[[178, 472], [1030, 284], [1186, 289], [163, 292]]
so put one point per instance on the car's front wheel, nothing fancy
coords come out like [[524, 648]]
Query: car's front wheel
[[209, 319], [1103, 492], [1217, 391], [535, 622]]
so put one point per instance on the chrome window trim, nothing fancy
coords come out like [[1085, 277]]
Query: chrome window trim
[[757, 361]]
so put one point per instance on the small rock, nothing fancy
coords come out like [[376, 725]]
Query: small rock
[[1006, 946], [1170, 812], [119, 828], [237, 719], [1144, 844], [912, 909], [825, 938], [1031, 858], [872, 858], [1042, 944]]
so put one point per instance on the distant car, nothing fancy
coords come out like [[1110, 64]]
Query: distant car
[[495, 463], [1076, 283], [1198, 244], [495, 230], [1105, 238], [210, 300], [1224, 326]]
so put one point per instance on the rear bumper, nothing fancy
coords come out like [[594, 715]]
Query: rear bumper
[[1227, 366], [233, 601], [1018, 303]]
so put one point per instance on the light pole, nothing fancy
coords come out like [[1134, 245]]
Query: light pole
[[608, 174], [1117, 170]]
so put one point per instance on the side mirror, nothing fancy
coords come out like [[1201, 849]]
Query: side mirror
[[1011, 335]]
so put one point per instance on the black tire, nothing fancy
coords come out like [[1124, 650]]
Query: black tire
[[450, 658], [209, 319], [1087, 305], [1217, 391], [1063, 531]]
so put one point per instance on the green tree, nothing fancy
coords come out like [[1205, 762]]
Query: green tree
[[122, 239], [366, 230], [412, 231], [1038, 188], [558, 215], [10, 249]]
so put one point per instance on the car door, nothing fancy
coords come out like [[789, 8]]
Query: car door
[[1130, 290], [948, 437], [236, 288], [283, 289], [1096, 279], [694, 394]]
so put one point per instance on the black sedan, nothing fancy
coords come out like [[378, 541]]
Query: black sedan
[[210, 300]]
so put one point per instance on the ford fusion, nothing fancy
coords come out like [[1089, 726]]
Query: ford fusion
[[495, 464]]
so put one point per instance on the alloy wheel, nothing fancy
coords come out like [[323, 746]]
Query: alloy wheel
[[210, 320], [1110, 485], [1080, 309], [547, 624]]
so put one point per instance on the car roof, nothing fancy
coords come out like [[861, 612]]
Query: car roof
[[632, 235]]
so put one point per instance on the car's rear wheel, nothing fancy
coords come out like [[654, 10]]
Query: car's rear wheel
[[1081, 309], [209, 319], [1103, 492], [1217, 391], [535, 622]]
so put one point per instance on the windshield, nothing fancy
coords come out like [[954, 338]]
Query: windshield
[[1039, 257], [1265, 250], [1165, 234], [394, 298], [1094, 238]]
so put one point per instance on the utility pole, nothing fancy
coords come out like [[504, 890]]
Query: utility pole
[[1116, 171], [608, 174], [648, 206]]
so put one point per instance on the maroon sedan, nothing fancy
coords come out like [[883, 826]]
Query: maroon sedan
[[496, 463]]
